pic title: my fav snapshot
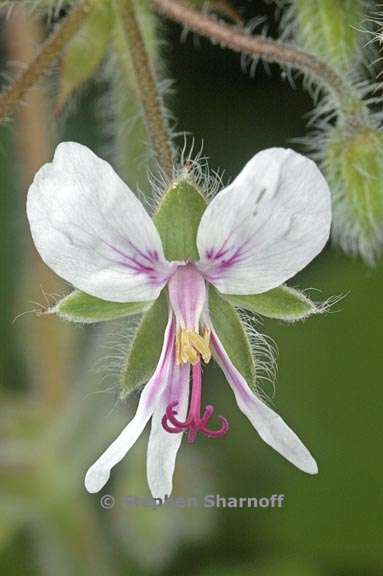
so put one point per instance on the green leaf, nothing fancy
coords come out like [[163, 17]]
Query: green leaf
[[231, 333], [84, 53], [146, 347], [81, 307], [283, 303], [178, 218]]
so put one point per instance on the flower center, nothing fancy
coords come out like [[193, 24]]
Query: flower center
[[194, 423], [190, 345]]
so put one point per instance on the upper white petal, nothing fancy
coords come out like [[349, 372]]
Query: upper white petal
[[163, 446], [99, 473], [267, 225], [92, 230], [269, 425]]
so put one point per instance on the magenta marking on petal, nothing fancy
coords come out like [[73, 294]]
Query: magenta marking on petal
[[141, 263], [149, 256], [194, 423], [223, 258], [153, 254]]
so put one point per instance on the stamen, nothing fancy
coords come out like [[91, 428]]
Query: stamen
[[190, 346], [194, 423]]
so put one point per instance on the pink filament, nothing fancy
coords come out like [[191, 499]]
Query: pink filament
[[194, 423]]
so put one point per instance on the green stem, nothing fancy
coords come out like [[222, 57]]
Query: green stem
[[44, 57], [150, 97]]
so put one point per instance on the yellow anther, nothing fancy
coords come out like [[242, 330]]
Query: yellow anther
[[190, 346]]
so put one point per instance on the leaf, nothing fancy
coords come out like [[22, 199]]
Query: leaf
[[177, 220], [231, 333], [84, 53], [283, 303], [81, 307], [146, 347]]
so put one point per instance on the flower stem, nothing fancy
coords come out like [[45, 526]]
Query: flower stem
[[44, 57], [270, 50], [151, 100]]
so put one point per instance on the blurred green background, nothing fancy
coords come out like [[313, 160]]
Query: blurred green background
[[59, 394]]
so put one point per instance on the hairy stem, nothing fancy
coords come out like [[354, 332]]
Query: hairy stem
[[258, 46], [150, 97], [44, 57]]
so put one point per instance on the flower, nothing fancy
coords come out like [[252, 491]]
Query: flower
[[253, 236]]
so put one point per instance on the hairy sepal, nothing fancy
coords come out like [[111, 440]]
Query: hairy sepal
[[283, 303], [177, 220], [85, 309], [145, 350], [230, 331], [353, 162], [329, 29]]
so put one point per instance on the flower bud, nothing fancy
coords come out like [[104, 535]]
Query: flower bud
[[353, 161], [328, 29]]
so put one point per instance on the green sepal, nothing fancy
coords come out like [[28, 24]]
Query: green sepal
[[85, 52], [283, 303], [86, 309], [177, 220], [230, 331], [145, 350]]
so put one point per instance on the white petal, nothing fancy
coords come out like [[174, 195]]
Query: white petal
[[269, 425], [267, 225], [92, 230], [98, 474], [163, 446]]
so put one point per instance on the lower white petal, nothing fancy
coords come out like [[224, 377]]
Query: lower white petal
[[98, 474], [269, 425], [91, 229], [163, 446]]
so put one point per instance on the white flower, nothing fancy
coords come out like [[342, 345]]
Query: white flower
[[257, 233]]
